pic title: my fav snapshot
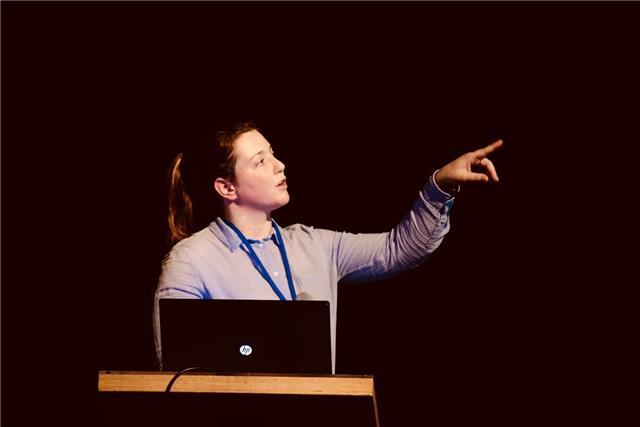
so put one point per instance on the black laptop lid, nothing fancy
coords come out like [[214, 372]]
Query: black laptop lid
[[246, 335]]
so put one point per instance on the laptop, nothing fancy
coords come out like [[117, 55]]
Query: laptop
[[246, 335]]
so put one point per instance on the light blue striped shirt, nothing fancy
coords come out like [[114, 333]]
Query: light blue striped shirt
[[213, 263]]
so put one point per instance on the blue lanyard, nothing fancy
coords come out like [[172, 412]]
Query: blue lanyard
[[256, 261]]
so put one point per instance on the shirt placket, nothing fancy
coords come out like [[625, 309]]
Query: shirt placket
[[270, 256]]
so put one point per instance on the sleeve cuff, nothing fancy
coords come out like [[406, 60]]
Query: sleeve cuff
[[435, 193]]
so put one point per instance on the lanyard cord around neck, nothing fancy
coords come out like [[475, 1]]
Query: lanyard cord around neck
[[260, 267]]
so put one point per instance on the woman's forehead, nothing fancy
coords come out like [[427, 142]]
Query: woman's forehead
[[250, 143]]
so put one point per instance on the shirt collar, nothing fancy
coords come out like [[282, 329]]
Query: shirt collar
[[229, 237]]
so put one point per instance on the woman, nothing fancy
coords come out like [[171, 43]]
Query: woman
[[228, 246]]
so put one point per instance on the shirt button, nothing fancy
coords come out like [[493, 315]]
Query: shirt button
[[275, 273], [260, 245]]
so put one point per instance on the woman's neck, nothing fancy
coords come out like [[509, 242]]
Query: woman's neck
[[254, 225]]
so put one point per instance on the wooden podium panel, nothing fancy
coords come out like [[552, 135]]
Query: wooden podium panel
[[139, 398]]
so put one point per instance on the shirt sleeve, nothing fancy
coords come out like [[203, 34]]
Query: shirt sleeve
[[367, 257], [178, 279]]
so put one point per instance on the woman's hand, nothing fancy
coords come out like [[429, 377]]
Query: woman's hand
[[458, 171]]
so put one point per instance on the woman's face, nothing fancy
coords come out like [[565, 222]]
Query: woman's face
[[260, 182]]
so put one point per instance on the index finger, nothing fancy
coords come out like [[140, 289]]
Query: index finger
[[483, 152]]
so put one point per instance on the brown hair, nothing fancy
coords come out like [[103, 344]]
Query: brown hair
[[193, 202]]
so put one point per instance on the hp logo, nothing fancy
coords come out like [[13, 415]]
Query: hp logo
[[246, 350]]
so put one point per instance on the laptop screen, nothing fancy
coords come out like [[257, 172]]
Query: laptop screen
[[246, 335]]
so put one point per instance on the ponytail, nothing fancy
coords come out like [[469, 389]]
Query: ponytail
[[180, 204]]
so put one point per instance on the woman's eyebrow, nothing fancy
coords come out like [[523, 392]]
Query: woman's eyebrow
[[260, 152]]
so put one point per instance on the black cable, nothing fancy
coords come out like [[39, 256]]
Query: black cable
[[179, 373]]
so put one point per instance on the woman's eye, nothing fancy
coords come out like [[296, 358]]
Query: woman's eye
[[261, 162]]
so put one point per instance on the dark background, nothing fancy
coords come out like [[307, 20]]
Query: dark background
[[362, 101]]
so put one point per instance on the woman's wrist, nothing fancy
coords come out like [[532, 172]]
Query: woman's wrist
[[446, 185]]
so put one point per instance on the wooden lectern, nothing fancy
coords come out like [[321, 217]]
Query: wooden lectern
[[139, 398]]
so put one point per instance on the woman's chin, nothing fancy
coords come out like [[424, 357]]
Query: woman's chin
[[282, 200]]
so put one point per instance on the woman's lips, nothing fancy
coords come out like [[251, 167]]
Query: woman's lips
[[283, 184]]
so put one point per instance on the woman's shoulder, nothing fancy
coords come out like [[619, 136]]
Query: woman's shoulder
[[199, 241], [299, 229], [303, 232], [308, 229]]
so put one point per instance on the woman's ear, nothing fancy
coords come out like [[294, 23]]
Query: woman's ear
[[225, 188]]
